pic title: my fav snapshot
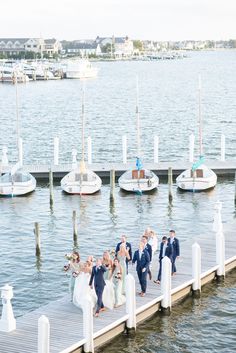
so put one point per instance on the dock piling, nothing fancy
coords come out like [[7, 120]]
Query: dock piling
[[75, 227], [156, 149], [112, 184], [43, 334], [89, 144], [166, 285], [170, 184], [88, 325], [51, 187], [191, 147], [130, 302], [196, 269], [222, 144], [124, 148], [56, 151], [37, 239], [7, 322], [235, 188], [220, 241]]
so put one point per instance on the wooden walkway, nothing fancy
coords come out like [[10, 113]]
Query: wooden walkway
[[66, 320], [40, 172]]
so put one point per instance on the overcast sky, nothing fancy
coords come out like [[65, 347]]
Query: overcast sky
[[139, 19]]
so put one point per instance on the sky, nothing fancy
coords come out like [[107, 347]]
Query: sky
[[139, 19]]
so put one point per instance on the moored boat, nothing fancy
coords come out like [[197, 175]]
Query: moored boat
[[80, 69]]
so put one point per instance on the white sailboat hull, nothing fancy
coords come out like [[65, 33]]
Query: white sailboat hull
[[16, 188], [206, 179], [129, 182], [82, 184]]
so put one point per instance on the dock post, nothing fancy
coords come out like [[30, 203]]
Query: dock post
[[51, 187], [74, 160], [7, 321], [222, 144], [235, 188], [166, 285], [220, 241], [156, 149], [191, 147], [196, 269], [56, 151], [75, 227], [37, 239], [130, 303], [88, 325], [43, 334], [112, 183], [20, 149], [89, 143], [4, 156], [124, 148], [170, 183]]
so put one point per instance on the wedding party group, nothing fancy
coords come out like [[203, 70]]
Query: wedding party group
[[104, 281]]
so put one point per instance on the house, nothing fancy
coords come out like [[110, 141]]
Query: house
[[52, 46], [12, 46], [121, 46], [82, 48]]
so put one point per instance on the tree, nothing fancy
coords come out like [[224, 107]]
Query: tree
[[106, 48], [138, 45]]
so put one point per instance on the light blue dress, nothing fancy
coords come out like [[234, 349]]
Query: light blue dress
[[119, 297], [122, 260]]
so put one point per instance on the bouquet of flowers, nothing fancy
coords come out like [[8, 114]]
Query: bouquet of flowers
[[112, 253]]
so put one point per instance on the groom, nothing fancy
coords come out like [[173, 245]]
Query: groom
[[99, 284]]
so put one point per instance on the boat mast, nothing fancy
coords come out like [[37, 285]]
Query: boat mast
[[137, 119], [17, 122], [200, 116], [82, 134]]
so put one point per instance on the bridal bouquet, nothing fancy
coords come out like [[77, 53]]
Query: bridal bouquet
[[71, 256], [112, 253]]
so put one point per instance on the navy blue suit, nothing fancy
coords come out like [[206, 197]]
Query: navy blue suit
[[142, 263], [149, 250], [176, 252], [128, 245], [168, 253], [99, 284]]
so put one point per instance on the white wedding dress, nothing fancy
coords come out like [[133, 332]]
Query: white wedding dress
[[108, 295], [82, 290]]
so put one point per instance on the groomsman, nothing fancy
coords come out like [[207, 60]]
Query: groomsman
[[97, 276], [149, 250], [175, 245], [128, 248], [142, 259], [165, 250]]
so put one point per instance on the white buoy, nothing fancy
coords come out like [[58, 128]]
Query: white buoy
[[196, 268], [124, 148], [4, 156], [166, 284], [20, 149], [88, 325], [156, 149], [7, 322], [89, 143], [222, 144], [130, 302], [43, 334], [191, 147], [74, 159], [56, 151]]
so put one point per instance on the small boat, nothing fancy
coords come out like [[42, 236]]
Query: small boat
[[81, 180], [80, 69], [17, 182], [12, 75], [138, 180], [199, 177]]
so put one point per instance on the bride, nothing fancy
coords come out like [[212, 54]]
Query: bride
[[82, 289], [108, 296]]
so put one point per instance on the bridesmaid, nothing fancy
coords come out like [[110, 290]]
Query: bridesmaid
[[108, 263], [122, 255], [117, 280], [75, 268]]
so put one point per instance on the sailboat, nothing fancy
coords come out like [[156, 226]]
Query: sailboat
[[17, 182], [199, 177], [81, 180], [138, 180]]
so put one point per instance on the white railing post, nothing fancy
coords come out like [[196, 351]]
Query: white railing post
[[191, 148], [74, 160], [130, 302], [196, 268], [20, 148], [4, 156], [156, 149], [220, 240], [89, 144], [56, 151], [88, 325], [43, 335], [166, 284], [124, 149], [222, 148], [7, 322]]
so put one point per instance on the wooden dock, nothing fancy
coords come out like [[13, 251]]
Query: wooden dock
[[66, 320], [41, 172]]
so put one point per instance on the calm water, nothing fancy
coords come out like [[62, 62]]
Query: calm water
[[168, 104]]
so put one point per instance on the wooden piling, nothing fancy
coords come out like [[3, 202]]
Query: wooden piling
[[51, 187], [37, 239], [235, 188], [112, 183], [170, 183], [75, 227]]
